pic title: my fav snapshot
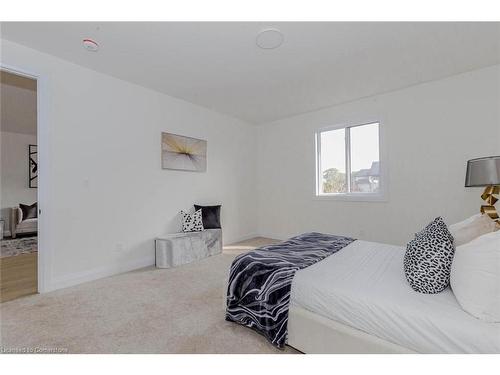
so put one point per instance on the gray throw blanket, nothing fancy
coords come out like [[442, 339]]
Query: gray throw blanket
[[260, 281]]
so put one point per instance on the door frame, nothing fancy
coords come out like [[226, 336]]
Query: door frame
[[43, 197]]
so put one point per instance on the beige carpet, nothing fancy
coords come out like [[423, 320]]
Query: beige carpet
[[177, 310]]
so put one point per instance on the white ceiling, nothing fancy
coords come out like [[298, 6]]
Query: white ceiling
[[218, 65], [17, 104]]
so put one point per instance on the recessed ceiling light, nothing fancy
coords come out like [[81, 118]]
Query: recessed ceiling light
[[90, 45], [270, 39]]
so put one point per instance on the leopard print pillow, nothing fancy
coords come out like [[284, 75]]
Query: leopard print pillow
[[428, 258], [192, 222]]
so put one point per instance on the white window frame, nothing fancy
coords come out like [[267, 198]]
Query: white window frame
[[381, 195]]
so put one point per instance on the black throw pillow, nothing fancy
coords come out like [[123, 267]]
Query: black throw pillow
[[428, 258], [210, 216], [29, 212]]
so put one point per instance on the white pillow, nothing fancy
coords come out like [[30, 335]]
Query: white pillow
[[473, 227], [192, 222], [19, 215], [475, 277]]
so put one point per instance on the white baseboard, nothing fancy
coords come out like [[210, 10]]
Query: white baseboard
[[98, 273], [106, 271]]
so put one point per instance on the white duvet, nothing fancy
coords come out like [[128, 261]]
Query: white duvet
[[363, 286]]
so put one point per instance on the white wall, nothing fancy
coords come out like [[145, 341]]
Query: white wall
[[14, 172], [109, 197], [430, 131]]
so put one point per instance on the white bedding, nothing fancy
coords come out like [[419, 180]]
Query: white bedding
[[363, 286]]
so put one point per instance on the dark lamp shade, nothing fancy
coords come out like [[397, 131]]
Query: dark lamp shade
[[483, 172]]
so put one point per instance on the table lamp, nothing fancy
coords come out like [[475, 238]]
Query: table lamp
[[485, 172]]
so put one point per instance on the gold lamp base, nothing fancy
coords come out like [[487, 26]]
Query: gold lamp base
[[489, 197]]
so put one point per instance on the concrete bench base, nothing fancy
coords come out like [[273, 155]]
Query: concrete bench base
[[182, 248]]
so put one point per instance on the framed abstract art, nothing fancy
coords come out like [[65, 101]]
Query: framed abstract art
[[32, 166], [183, 153]]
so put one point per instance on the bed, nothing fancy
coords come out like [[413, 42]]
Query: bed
[[357, 300]]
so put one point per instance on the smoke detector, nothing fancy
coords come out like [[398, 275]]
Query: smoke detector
[[270, 38], [90, 45]]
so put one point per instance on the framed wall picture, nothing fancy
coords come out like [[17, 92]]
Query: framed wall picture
[[183, 153], [32, 166]]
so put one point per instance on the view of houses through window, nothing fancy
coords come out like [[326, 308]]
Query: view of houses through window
[[348, 160]]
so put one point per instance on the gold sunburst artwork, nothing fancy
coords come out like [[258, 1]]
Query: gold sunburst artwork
[[183, 153]]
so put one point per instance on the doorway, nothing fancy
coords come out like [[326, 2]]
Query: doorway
[[18, 186]]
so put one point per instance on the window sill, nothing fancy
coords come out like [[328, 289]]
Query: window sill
[[351, 197]]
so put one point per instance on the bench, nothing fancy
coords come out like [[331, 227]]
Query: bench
[[182, 248]]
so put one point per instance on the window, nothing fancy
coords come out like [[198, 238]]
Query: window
[[348, 161]]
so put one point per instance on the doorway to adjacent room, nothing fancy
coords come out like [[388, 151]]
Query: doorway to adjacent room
[[18, 186]]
